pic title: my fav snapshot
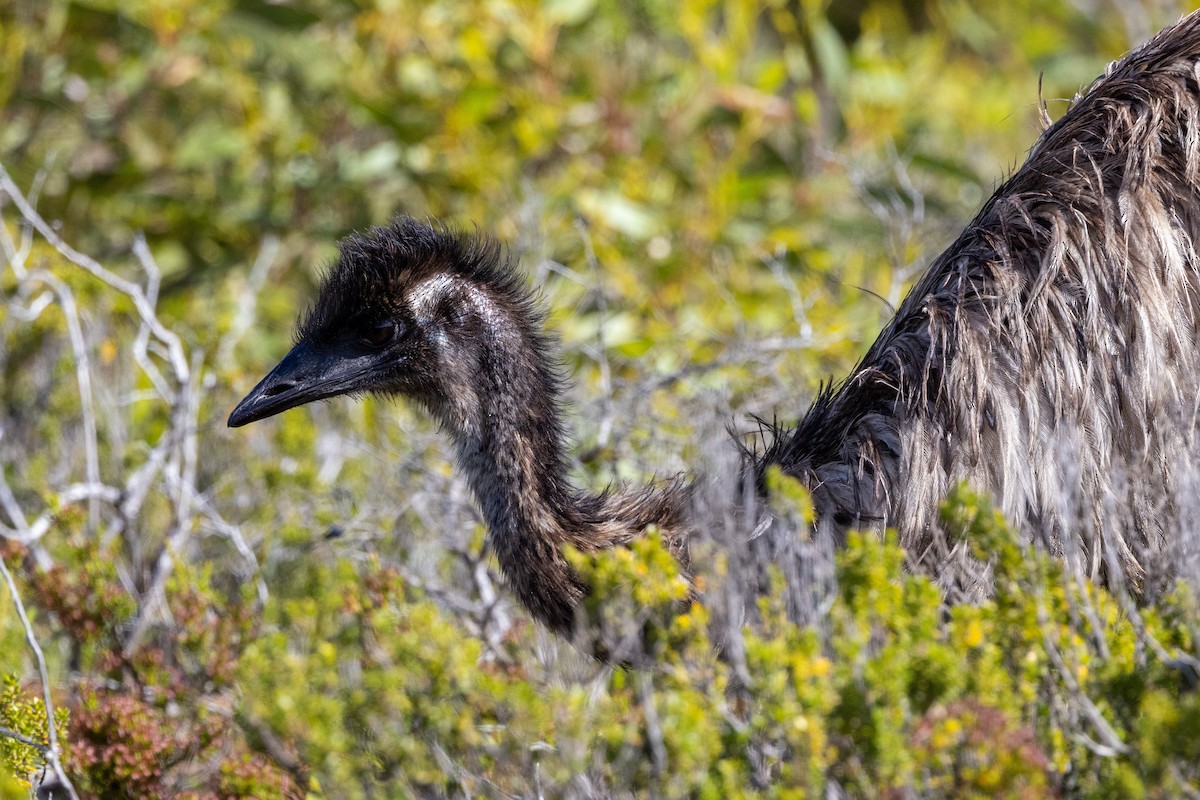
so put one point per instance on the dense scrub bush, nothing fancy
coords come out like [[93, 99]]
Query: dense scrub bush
[[1052, 687], [306, 608]]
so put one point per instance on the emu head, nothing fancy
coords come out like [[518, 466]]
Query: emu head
[[407, 310]]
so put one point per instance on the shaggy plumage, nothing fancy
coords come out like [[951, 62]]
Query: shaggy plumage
[[1048, 357]]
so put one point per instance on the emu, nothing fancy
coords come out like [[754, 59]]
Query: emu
[[1048, 358]]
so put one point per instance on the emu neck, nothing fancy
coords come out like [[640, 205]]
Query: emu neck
[[509, 438], [509, 443]]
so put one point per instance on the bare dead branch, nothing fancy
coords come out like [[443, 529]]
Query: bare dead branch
[[248, 300], [169, 339], [25, 740], [53, 752]]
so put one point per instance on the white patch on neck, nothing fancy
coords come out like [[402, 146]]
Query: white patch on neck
[[462, 409]]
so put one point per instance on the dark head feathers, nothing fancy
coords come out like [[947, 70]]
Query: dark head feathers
[[377, 268]]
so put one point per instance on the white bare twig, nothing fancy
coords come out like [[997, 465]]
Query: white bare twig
[[83, 376], [248, 300], [800, 306], [1110, 743], [181, 472], [53, 752], [599, 352], [142, 343], [145, 309], [168, 467]]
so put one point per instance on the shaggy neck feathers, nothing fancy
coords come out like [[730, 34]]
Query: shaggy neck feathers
[[508, 441]]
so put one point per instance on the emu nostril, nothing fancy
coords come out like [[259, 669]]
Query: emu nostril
[[278, 388]]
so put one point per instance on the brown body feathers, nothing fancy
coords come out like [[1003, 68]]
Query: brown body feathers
[[1048, 357]]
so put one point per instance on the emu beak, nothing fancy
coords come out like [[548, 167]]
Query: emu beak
[[305, 374]]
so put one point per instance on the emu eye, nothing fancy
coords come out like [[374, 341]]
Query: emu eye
[[379, 334]]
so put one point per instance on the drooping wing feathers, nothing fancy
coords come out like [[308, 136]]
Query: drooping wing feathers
[[1047, 355]]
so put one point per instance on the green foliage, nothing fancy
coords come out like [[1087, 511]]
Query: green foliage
[[354, 674], [25, 716], [206, 124], [151, 720], [374, 686], [631, 615]]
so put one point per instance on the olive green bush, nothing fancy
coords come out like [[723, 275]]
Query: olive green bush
[[364, 685], [23, 720], [712, 197]]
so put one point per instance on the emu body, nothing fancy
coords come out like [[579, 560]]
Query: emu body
[[1048, 357]]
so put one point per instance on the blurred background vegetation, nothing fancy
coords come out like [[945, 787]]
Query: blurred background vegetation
[[720, 201]]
